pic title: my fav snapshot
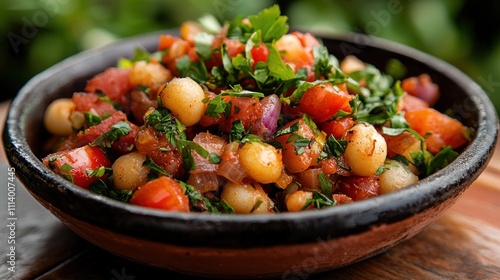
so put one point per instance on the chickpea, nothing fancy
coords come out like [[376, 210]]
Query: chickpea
[[129, 171], [295, 201], [261, 161], [57, 117], [351, 64], [246, 198], [366, 149], [396, 176], [152, 75], [184, 97]]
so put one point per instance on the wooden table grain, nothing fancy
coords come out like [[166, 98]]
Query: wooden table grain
[[464, 243]]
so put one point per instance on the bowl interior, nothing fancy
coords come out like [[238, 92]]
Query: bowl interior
[[25, 135]]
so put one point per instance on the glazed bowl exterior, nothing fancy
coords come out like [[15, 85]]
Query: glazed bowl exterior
[[246, 246]]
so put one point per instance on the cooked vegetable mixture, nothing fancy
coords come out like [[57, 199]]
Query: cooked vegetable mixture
[[248, 118]]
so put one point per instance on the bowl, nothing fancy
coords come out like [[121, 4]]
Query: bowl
[[249, 246]]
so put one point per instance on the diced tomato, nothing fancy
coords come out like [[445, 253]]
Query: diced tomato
[[338, 127], [74, 164], [402, 144], [114, 82], [358, 187], [155, 145], [87, 102], [341, 198], [438, 129], [234, 47], [307, 40], [188, 30], [162, 193], [292, 51], [411, 103], [246, 109], [259, 53], [294, 159], [123, 145], [422, 87], [166, 41], [323, 101]]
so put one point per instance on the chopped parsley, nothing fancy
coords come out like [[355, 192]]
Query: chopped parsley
[[107, 139], [319, 200], [99, 187]]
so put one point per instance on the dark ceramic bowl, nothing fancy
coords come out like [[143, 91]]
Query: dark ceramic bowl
[[235, 246]]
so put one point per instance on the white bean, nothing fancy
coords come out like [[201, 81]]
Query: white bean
[[246, 198], [261, 161], [56, 118], [129, 171], [395, 176], [366, 149], [184, 98]]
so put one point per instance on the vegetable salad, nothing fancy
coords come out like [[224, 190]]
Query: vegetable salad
[[248, 118]]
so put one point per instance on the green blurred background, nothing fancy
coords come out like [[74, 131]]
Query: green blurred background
[[39, 33]]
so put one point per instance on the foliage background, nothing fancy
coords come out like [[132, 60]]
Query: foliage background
[[38, 33]]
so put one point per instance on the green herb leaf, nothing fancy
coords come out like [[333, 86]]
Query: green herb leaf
[[237, 131], [214, 158], [98, 172], [66, 168], [194, 70], [118, 130], [203, 45], [334, 147], [270, 23], [325, 184], [101, 188], [319, 200], [92, 119], [278, 68], [217, 106], [155, 167]]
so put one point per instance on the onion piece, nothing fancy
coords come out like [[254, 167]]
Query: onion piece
[[230, 167], [266, 125], [308, 179], [204, 181]]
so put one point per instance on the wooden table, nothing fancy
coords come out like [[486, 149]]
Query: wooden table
[[463, 244]]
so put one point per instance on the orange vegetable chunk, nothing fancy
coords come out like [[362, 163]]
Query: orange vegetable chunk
[[438, 129]]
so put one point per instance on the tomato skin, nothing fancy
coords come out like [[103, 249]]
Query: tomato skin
[[438, 129], [162, 193], [337, 128], [359, 187], [114, 82], [259, 53], [323, 101], [80, 159]]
